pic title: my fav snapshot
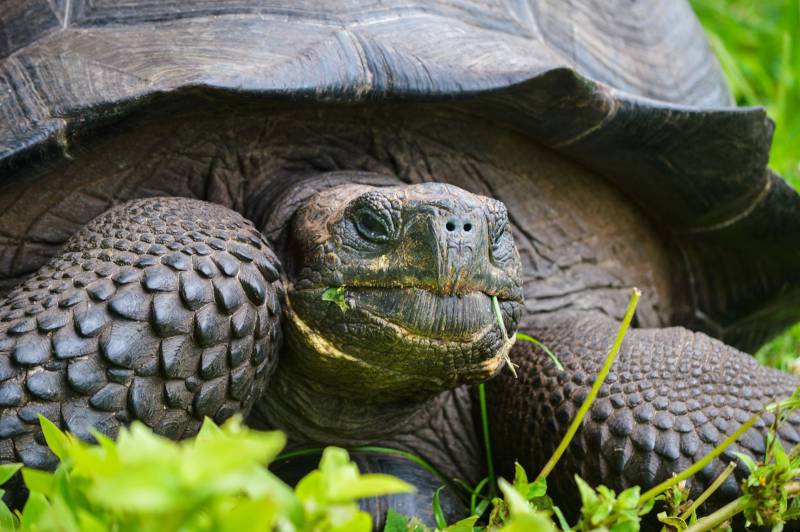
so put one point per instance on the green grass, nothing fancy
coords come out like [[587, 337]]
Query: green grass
[[757, 43]]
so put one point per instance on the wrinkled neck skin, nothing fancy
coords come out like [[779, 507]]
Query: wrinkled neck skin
[[440, 428], [311, 411]]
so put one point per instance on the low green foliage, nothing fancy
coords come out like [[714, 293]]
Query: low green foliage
[[765, 499], [771, 497], [397, 522], [603, 509], [523, 507], [681, 511], [216, 481], [783, 352], [510, 510], [522, 516]]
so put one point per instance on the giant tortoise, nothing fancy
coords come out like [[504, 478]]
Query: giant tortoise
[[301, 211]]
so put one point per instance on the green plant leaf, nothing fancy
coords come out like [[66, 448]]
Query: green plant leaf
[[373, 485], [531, 340], [359, 522], [34, 514], [253, 515], [438, 514], [562, 521], [209, 431], [675, 522], [338, 295], [517, 504], [588, 495], [397, 522], [8, 521], [536, 489], [89, 523], [629, 498], [520, 478], [523, 516], [464, 525], [37, 480], [57, 441], [529, 523], [7, 471], [498, 314]]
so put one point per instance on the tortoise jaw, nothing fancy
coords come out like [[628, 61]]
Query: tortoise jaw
[[403, 341]]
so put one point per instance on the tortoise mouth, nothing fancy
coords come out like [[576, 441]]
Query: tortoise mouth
[[418, 312], [403, 340], [423, 313]]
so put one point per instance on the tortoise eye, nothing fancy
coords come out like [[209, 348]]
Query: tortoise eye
[[371, 227]]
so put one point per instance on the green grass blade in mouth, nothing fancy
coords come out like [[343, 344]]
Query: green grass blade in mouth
[[499, 316]]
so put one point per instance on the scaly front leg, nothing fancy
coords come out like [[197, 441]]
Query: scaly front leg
[[163, 310], [670, 398]]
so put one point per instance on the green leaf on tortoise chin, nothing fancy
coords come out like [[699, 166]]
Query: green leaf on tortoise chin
[[338, 295]]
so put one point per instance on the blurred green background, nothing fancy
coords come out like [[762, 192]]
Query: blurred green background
[[757, 43]]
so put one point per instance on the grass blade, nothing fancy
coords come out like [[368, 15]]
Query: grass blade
[[601, 377], [711, 489], [498, 314], [438, 514], [487, 440], [540, 345]]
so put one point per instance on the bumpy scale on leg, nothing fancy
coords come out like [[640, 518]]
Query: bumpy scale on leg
[[163, 310], [670, 398]]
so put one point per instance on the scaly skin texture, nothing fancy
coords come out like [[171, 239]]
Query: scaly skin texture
[[672, 395], [162, 310]]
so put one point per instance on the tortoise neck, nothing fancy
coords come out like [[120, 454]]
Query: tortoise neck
[[313, 412]]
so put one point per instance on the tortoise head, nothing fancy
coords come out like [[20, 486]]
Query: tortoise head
[[391, 288]]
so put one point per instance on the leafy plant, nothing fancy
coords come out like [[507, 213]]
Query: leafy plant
[[216, 481], [603, 509], [523, 516], [764, 495], [338, 295]]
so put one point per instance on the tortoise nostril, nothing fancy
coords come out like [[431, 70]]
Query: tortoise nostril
[[450, 226], [467, 227]]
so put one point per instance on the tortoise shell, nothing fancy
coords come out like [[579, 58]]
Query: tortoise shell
[[630, 90]]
